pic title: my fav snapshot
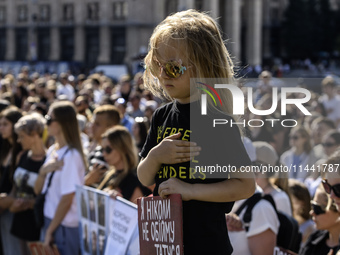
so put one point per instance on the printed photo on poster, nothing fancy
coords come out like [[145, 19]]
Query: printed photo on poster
[[92, 205], [101, 200]]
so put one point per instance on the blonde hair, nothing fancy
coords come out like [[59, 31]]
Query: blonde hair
[[121, 140], [203, 47]]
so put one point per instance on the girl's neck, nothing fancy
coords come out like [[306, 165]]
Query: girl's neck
[[298, 150], [60, 141], [38, 149], [267, 187], [334, 233], [119, 165]]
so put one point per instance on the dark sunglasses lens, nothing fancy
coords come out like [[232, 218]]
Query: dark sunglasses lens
[[317, 209], [328, 144], [172, 70], [108, 149], [327, 187], [336, 189]]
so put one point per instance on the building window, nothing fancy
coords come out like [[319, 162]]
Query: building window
[[118, 45], [93, 11], [275, 14], [91, 46], [2, 43], [68, 12], [120, 10], [198, 4], [44, 42], [21, 44], [171, 6], [2, 14], [22, 13], [67, 43], [44, 11]]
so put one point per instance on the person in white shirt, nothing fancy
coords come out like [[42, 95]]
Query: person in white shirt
[[65, 160], [267, 156], [331, 100], [64, 88], [260, 239]]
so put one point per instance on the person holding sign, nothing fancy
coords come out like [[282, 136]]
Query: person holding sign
[[189, 45], [66, 161]]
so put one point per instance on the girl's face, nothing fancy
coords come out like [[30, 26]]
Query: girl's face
[[334, 178], [178, 88], [135, 130], [26, 140], [6, 128], [326, 219], [296, 140], [111, 155], [329, 145], [53, 126]]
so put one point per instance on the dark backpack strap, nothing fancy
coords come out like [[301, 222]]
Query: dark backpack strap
[[249, 203], [51, 176], [270, 199]]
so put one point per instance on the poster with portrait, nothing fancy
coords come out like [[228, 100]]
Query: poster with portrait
[[93, 213]]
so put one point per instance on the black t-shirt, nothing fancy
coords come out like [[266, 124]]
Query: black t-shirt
[[23, 224], [128, 184], [204, 225], [5, 181], [316, 244]]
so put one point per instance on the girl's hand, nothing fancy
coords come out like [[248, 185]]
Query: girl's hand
[[234, 223], [20, 204], [51, 166], [48, 241], [95, 175], [172, 150], [114, 193], [175, 186]]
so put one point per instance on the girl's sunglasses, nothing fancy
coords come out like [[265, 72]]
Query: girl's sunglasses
[[328, 188], [328, 145], [173, 69], [108, 149], [317, 209], [49, 120]]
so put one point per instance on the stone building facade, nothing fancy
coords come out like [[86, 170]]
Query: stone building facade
[[96, 32]]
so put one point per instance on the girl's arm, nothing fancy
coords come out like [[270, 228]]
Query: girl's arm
[[225, 191], [62, 209], [263, 243], [44, 170], [170, 151]]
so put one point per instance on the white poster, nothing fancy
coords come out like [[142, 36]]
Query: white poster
[[123, 228]]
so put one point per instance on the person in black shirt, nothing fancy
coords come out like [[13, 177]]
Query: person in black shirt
[[181, 140], [120, 152], [29, 129], [10, 148], [326, 217]]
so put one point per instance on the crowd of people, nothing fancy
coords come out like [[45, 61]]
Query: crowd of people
[[59, 131]]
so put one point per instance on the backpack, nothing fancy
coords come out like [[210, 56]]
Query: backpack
[[288, 237]]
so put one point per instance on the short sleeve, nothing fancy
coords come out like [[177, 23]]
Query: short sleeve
[[72, 173], [263, 217], [151, 138]]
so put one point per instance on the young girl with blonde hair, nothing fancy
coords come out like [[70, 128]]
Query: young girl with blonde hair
[[189, 45]]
